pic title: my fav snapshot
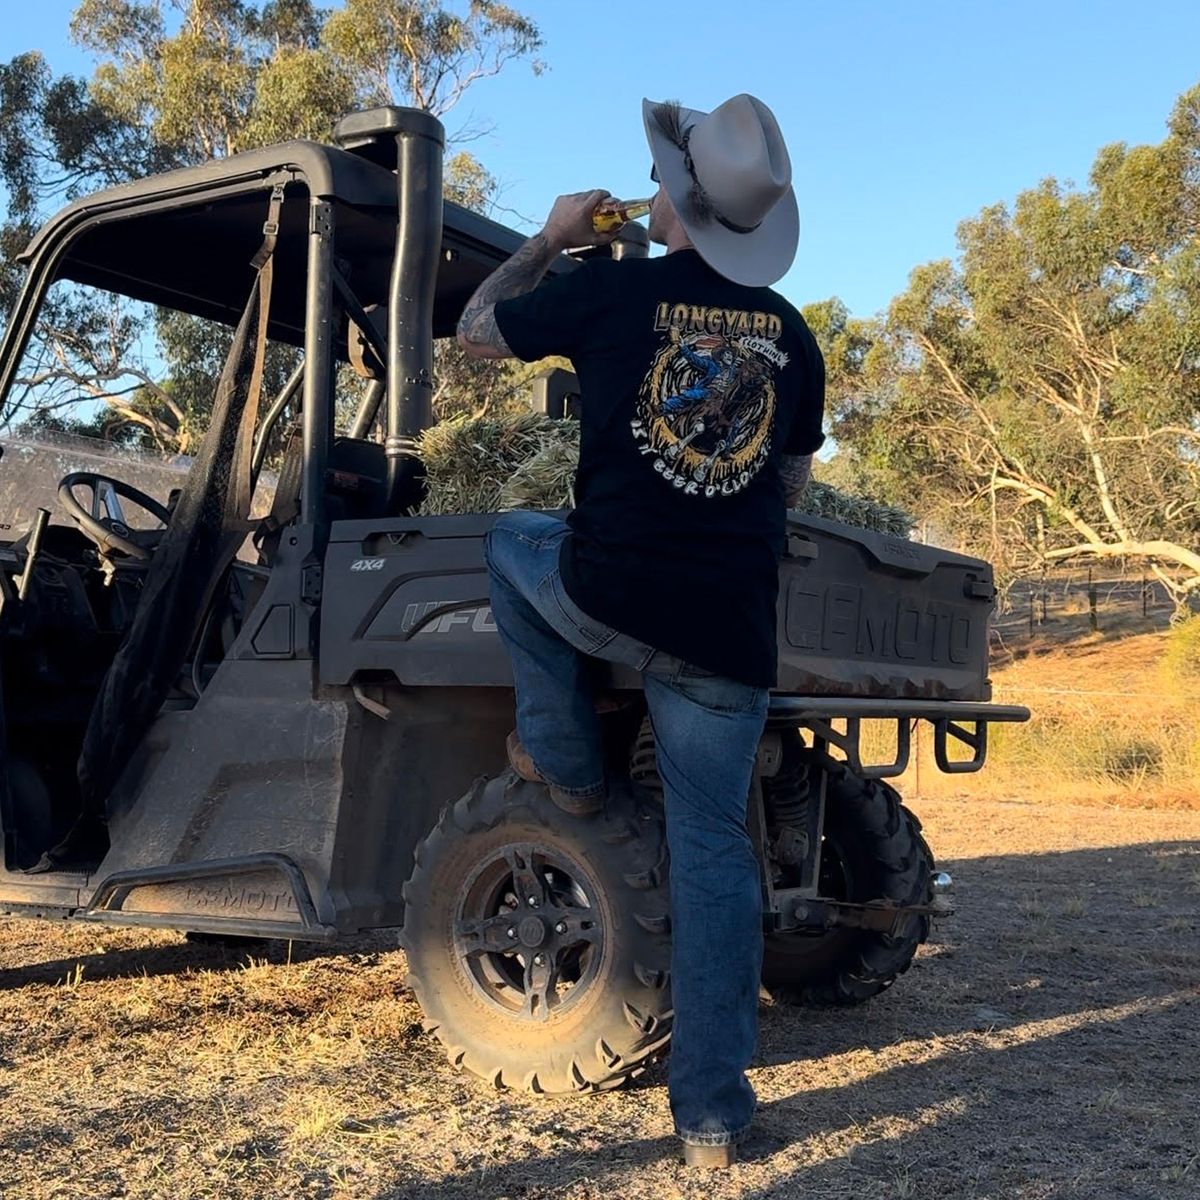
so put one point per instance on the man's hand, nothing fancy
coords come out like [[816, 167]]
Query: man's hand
[[569, 225]]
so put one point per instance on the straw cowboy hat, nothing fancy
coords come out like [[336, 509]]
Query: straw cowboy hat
[[729, 177]]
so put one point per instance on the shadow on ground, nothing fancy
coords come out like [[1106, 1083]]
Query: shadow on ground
[[177, 957], [1043, 1047], [1046, 1047]]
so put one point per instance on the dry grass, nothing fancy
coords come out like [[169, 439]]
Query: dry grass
[[1114, 724], [484, 465], [1043, 1046]]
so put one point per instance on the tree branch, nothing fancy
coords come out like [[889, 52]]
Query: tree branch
[[1048, 497], [1157, 548], [1103, 488], [1163, 431]]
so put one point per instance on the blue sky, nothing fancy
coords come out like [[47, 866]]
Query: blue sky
[[901, 118]]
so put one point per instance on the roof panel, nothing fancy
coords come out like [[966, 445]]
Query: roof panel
[[184, 239]]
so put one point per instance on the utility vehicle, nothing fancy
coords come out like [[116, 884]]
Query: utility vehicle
[[308, 740]]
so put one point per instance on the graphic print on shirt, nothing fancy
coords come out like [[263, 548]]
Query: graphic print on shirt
[[707, 405]]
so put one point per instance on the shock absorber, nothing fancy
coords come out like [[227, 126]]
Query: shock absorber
[[785, 793], [785, 801], [643, 761]]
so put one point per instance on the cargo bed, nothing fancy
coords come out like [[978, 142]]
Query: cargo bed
[[860, 614]]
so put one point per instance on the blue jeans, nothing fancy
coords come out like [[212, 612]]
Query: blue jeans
[[707, 729]]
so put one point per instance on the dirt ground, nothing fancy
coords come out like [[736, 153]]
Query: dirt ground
[[1046, 1044]]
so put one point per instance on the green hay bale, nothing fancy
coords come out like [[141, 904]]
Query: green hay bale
[[469, 461], [487, 464], [547, 480], [821, 500]]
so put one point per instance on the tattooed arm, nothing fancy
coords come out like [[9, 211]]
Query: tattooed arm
[[478, 333], [569, 224], [795, 470]]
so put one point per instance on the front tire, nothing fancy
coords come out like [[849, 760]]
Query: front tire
[[539, 943]]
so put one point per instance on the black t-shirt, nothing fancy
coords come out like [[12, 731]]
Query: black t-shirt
[[692, 388]]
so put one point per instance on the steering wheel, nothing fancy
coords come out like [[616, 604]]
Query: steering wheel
[[110, 532]]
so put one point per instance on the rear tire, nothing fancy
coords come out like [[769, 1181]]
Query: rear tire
[[872, 849], [606, 1011]]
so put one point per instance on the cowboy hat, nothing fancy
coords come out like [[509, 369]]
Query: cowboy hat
[[729, 178]]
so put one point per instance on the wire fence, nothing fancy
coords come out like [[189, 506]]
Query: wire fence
[[33, 466], [1067, 604], [56, 441]]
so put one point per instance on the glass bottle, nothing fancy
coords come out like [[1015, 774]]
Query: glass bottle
[[612, 214]]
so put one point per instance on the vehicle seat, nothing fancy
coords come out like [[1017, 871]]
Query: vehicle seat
[[355, 488], [356, 480]]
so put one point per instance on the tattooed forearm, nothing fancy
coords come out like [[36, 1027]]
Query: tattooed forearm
[[795, 471], [478, 333]]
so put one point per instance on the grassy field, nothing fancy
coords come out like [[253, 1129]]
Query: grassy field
[[1043, 1047], [1115, 712]]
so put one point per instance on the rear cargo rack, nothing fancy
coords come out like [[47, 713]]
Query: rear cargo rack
[[949, 719]]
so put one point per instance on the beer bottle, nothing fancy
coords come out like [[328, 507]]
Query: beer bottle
[[612, 214]]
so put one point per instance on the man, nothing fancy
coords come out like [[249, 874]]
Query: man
[[702, 394]]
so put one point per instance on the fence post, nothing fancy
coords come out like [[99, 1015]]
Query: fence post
[[1092, 603], [917, 757], [1145, 596]]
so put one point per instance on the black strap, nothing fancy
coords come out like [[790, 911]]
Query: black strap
[[235, 531], [286, 504], [270, 229], [735, 228]]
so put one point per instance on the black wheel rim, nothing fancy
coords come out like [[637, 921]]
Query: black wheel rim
[[835, 880], [528, 932]]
